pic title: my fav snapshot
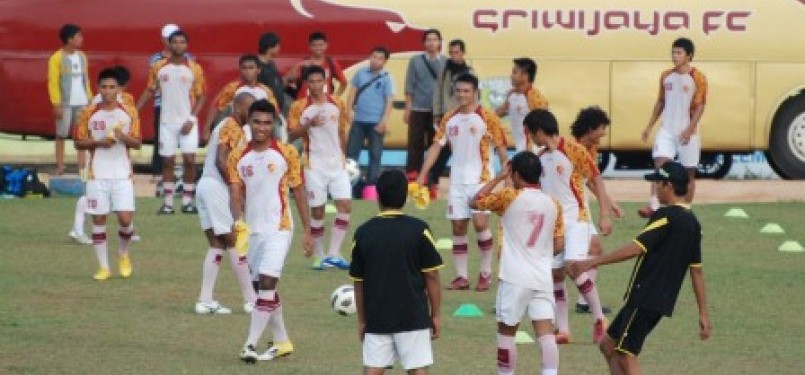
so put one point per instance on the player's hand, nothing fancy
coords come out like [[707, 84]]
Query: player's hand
[[106, 142], [605, 225], [242, 232], [705, 328], [407, 116], [361, 331], [616, 210], [644, 135], [413, 189], [381, 128], [307, 243], [436, 327], [577, 268], [506, 171], [57, 112], [319, 120], [686, 135], [187, 127], [118, 131]]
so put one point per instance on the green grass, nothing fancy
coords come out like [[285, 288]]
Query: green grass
[[55, 320]]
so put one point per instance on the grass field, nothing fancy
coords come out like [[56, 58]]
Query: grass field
[[55, 320]]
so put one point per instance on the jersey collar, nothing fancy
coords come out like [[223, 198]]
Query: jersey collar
[[390, 213]]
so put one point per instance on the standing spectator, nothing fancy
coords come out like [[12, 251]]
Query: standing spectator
[[268, 48], [370, 98], [68, 88], [317, 42], [395, 267], [420, 80], [444, 100]]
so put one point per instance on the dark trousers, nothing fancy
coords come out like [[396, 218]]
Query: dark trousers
[[360, 133], [440, 165], [420, 137], [156, 160]]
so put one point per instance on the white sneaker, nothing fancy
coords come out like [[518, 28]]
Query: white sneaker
[[80, 237], [248, 307], [248, 354], [203, 308], [135, 238], [276, 351]]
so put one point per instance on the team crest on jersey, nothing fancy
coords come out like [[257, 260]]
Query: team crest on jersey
[[560, 169], [685, 88], [272, 167], [333, 118], [473, 130], [163, 77], [669, 86]]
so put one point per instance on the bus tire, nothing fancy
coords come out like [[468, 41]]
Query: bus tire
[[786, 152]]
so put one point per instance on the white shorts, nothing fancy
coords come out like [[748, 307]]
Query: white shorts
[[320, 182], [171, 138], [104, 196], [212, 199], [513, 301], [413, 348], [267, 252], [458, 203], [577, 243], [669, 146]]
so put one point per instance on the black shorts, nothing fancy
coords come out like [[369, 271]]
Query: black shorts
[[631, 327]]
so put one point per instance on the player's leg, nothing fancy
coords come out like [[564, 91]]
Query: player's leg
[[485, 243], [209, 273], [627, 334], [577, 245], [126, 231], [607, 347], [664, 150], [79, 216], [460, 255], [240, 265], [378, 352], [595, 251], [99, 205], [266, 295], [341, 191], [188, 143], [541, 311], [316, 197], [270, 269], [689, 156], [414, 350], [511, 302], [168, 145], [560, 298]]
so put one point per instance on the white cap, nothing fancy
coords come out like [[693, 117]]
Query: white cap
[[169, 29]]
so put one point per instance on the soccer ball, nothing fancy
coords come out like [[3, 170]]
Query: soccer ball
[[353, 171], [343, 300]]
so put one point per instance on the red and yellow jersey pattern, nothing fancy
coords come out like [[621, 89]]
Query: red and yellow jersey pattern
[[565, 172], [258, 91], [471, 137], [98, 124], [323, 144], [180, 86]]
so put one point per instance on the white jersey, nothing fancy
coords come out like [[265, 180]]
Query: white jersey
[[564, 173], [322, 143], [681, 92], [471, 137], [266, 176], [531, 220], [519, 104], [227, 132], [97, 124], [179, 86]]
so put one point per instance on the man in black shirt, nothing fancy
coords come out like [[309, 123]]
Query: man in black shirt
[[268, 47], [395, 267], [669, 245]]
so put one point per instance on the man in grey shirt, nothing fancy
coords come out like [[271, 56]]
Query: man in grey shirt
[[420, 80]]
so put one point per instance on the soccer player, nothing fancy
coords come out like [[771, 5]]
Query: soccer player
[[214, 214], [317, 42], [260, 175], [681, 101], [321, 121], [123, 97], [420, 81], [669, 245], [395, 267], [589, 127], [69, 89], [180, 82], [249, 66], [533, 230], [108, 130], [566, 165], [522, 99], [471, 131], [370, 97]]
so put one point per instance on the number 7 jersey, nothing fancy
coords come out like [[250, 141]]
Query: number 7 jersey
[[531, 220]]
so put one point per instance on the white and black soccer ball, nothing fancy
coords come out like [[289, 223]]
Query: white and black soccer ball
[[353, 170], [343, 300]]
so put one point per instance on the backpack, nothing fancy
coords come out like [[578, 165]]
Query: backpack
[[32, 186], [21, 182]]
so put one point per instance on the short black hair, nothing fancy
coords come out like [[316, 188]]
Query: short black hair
[[316, 35], [250, 57], [431, 31], [264, 106], [459, 43], [541, 119], [588, 119], [392, 188], [123, 75], [109, 73], [68, 31], [267, 41], [686, 44], [528, 65], [178, 33], [527, 166], [383, 50], [468, 78], [313, 69]]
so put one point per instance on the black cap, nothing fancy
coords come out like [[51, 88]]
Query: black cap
[[670, 171]]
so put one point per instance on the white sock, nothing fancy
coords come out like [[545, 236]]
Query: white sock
[[550, 354], [460, 257], [167, 192], [485, 243], [125, 234], [188, 192], [337, 234], [99, 244], [277, 324], [560, 296], [587, 288], [240, 265], [263, 308], [209, 273], [80, 212], [507, 355], [317, 232]]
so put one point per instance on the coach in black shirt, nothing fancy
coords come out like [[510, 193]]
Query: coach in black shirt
[[395, 267], [668, 247]]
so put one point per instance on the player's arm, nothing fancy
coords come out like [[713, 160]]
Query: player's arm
[[343, 125], [697, 281], [503, 110], [132, 139], [659, 105], [604, 202], [360, 309], [297, 128], [487, 189], [697, 106], [221, 157], [626, 252], [434, 290], [339, 76], [212, 114], [558, 230], [430, 160], [295, 181], [150, 87]]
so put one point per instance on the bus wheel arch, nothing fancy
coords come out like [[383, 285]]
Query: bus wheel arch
[[786, 151]]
